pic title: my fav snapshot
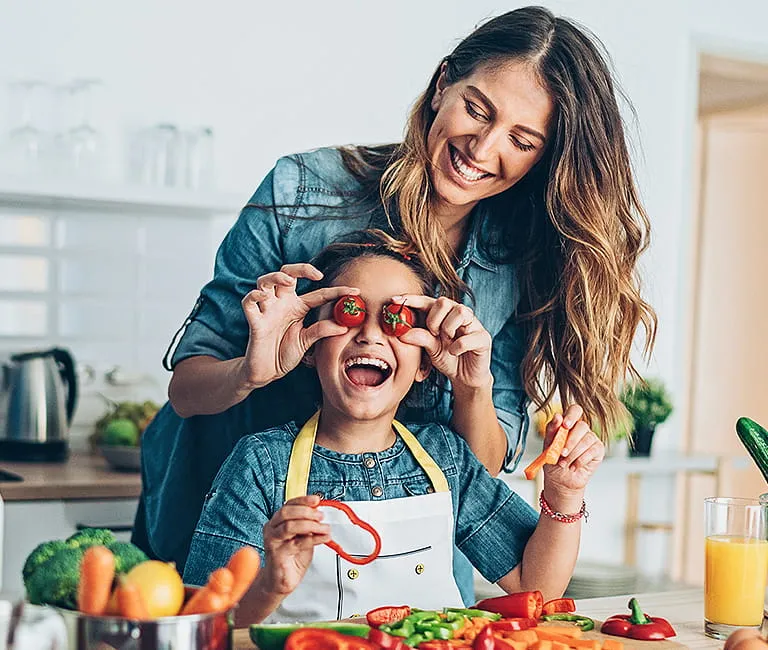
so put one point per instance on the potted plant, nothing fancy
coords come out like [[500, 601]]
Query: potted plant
[[649, 405]]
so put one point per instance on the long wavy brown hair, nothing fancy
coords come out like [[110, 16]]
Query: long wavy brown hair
[[574, 225]]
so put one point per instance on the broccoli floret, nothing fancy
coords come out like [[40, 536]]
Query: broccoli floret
[[126, 555], [55, 581], [91, 537], [42, 553]]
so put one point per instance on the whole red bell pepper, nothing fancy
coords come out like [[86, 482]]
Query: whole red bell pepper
[[525, 604], [638, 625]]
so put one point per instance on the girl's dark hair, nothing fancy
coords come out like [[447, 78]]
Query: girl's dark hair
[[574, 225]]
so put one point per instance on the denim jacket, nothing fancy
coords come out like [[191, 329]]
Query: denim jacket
[[492, 524], [285, 223]]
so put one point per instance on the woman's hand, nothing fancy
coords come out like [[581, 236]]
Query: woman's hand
[[277, 338], [289, 541], [582, 454], [457, 343]]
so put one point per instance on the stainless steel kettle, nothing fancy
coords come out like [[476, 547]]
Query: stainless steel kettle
[[37, 402]]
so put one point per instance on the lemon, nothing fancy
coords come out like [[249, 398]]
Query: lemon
[[160, 585]]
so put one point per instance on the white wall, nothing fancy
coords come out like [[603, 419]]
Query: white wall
[[273, 78]]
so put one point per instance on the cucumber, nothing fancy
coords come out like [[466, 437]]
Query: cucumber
[[755, 439], [273, 636]]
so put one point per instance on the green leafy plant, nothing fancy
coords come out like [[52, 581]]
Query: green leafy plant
[[648, 402]]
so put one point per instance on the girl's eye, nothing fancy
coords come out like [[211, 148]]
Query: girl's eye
[[522, 145], [474, 111]]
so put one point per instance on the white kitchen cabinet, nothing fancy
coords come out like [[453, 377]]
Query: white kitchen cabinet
[[29, 523]]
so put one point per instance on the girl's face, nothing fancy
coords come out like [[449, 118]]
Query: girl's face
[[365, 373], [489, 130]]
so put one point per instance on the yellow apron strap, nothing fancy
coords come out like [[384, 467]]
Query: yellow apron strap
[[301, 458], [435, 474], [297, 478]]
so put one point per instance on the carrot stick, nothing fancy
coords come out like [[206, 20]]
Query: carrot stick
[[97, 571], [571, 631], [549, 456], [612, 644], [214, 597], [130, 601], [244, 565]]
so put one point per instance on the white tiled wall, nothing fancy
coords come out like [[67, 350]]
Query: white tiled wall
[[112, 288]]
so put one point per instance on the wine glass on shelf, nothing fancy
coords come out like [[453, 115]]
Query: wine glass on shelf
[[80, 144], [24, 149]]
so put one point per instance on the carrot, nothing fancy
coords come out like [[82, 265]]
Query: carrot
[[556, 645], [571, 631], [549, 456], [214, 597], [244, 565], [97, 571], [541, 644], [580, 644], [526, 636], [612, 644], [130, 601]]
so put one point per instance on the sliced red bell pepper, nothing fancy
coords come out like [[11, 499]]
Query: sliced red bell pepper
[[526, 604], [358, 522], [387, 615], [637, 625], [559, 606], [484, 640], [513, 624], [309, 638]]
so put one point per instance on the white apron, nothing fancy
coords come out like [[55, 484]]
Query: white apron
[[415, 566]]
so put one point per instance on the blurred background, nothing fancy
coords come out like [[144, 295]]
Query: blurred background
[[132, 133]]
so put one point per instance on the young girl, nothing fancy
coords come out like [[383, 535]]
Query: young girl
[[421, 489]]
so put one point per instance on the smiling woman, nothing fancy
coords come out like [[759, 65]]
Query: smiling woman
[[513, 187]]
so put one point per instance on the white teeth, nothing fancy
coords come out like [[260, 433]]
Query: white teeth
[[465, 170], [366, 361]]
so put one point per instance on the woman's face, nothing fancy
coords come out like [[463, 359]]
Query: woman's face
[[489, 130], [365, 373]]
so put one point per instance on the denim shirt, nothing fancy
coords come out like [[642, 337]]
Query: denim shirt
[[286, 222], [492, 524]]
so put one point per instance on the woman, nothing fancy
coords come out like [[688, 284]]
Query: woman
[[514, 183]]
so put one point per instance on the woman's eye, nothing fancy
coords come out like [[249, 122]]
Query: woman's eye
[[523, 146], [474, 110]]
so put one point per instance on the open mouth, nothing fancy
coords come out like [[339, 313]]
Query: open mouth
[[367, 371], [466, 171]]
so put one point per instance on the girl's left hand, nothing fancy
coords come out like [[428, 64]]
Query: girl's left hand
[[582, 454], [456, 341]]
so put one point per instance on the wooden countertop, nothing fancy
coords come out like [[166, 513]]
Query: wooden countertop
[[83, 476]]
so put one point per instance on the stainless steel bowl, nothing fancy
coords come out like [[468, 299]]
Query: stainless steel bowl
[[195, 632]]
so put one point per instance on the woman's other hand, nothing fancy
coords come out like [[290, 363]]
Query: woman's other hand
[[290, 538], [582, 454], [277, 338], [456, 341]]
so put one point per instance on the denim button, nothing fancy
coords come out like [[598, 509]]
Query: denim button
[[430, 490], [370, 462], [377, 491]]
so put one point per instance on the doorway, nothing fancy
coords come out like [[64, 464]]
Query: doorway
[[728, 326]]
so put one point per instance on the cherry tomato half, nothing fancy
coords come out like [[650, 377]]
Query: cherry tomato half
[[349, 311], [396, 319]]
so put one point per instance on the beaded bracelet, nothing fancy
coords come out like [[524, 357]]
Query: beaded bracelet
[[559, 516]]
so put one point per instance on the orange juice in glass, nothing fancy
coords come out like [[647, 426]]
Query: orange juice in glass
[[736, 564]]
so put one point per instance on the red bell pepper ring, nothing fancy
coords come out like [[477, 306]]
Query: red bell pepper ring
[[387, 615], [559, 606], [360, 523], [638, 625], [525, 604]]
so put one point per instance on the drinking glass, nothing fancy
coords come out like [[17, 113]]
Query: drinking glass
[[736, 564], [25, 147], [80, 145]]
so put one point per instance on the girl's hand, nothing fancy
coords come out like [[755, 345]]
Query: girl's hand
[[582, 454], [457, 343], [289, 541], [277, 338]]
